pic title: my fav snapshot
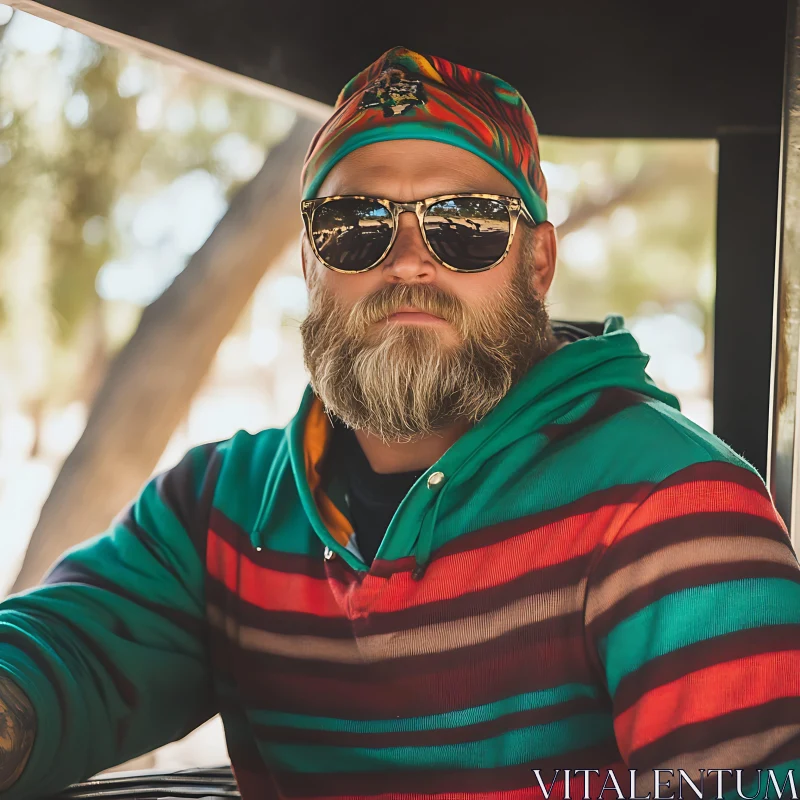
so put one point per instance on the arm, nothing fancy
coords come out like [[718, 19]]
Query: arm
[[110, 652], [17, 732], [693, 620]]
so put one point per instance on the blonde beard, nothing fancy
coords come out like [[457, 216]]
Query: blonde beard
[[403, 382]]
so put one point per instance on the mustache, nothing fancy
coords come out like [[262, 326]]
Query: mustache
[[388, 299]]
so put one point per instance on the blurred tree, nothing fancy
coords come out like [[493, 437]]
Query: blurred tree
[[101, 154], [644, 216], [26, 195], [152, 380], [126, 128]]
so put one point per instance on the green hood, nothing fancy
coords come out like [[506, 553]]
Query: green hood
[[545, 394]]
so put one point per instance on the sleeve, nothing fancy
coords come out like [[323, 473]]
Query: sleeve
[[111, 649], [693, 620]]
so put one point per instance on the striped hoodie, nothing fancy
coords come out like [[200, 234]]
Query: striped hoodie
[[584, 580]]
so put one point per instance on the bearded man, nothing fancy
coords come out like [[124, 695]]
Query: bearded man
[[487, 558]]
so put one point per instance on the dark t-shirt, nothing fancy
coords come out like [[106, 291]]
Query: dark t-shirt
[[373, 497]]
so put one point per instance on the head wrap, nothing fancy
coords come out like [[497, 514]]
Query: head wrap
[[405, 95]]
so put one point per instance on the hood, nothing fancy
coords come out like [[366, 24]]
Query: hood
[[581, 367]]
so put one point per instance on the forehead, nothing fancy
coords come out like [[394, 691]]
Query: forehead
[[415, 167]]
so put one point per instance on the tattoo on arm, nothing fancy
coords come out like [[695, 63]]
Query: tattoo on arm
[[17, 732]]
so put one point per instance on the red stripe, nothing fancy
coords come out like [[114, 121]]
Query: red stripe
[[338, 595], [709, 486], [266, 588], [620, 495], [694, 497], [445, 579], [498, 563], [709, 693], [234, 534], [486, 567], [703, 654]]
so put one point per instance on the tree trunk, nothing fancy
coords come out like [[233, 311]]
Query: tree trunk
[[94, 354], [152, 380]]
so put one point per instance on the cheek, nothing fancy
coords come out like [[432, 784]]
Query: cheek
[[482, 287], [348, 289]]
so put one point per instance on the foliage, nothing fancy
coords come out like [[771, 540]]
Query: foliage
[[640, 226], [124, 129]]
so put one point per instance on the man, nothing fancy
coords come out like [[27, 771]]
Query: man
[[486, 550]]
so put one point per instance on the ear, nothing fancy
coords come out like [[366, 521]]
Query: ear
[[545, 252]]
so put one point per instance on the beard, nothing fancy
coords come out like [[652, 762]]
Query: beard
[[401, 382]]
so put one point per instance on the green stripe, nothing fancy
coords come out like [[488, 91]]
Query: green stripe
[[767, 787], [695, 615], [451, 719], [511, 748]]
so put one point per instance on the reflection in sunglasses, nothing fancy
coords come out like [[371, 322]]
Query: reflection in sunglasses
[[467, 233]]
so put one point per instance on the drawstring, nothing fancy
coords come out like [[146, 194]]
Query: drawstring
[[418, 571], [271, 487], [422, 552]]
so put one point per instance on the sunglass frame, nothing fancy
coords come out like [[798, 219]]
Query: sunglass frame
[[513, 205]]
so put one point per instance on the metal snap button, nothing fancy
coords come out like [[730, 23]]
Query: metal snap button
[[328, 554], [434, 479]]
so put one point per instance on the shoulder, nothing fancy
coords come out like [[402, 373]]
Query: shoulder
[[242, 454], [246, 457], [252, 468], [683, 438], [687, 482], [218, 475], [630, 438]]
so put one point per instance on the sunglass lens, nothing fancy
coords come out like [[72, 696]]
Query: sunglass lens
[[351, 234], [468, 233]]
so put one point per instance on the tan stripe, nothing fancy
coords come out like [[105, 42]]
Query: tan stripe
[[738, 753], [674, 558], [219, 620], [424, 640]]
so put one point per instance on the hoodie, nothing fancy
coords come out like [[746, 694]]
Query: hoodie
[[585, 580]]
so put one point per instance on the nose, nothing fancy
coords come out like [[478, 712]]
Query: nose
[[409, 260]]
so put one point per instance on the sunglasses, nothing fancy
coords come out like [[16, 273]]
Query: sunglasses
[[464, 232]]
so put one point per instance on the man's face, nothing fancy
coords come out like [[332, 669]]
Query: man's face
[[405, 378]]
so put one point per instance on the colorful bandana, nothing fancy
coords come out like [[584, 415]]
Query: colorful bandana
[[405, 95]]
